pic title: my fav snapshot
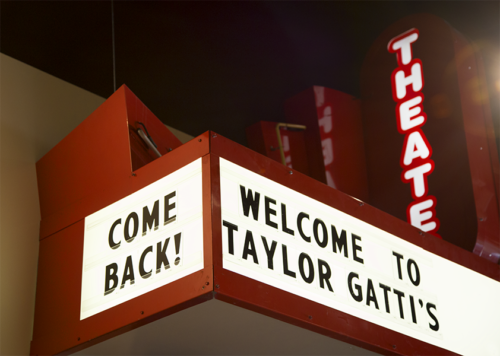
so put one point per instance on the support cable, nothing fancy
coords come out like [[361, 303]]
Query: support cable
[[113, 43]]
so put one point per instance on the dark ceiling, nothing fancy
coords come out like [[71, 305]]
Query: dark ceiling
[[223, 65]]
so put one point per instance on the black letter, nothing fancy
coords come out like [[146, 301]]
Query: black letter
[[111, 276], [230, 229], [299, 226], [413, 314], [161, 256], [355, 248], [415, 282], [110, 238], [269, 252], [177, 242], [249, 247], [270, 212], [386, 297], [285, 263], [400, 295], [398, 259], [325, 234], [370, 294], [308, 279], [434, 327], [148, 219], [128, 273], [142, 272], [283, 220], [341, 241], [357, 297], [249, 201], [324, 276], [167, 219], [134, 217]]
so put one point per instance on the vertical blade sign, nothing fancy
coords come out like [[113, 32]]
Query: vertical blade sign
[[407, 82]]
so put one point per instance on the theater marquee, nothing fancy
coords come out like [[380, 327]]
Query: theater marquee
[[129, 242]]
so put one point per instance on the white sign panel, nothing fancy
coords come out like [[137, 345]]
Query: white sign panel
[[285, 239], [143, 241]]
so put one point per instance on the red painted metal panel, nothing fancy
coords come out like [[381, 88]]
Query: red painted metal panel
[[263, 298], [465, 162], [100, 144], [97, 153], [334, 138]]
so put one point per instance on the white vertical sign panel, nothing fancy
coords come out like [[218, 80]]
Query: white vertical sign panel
[[143, 241], [287, 240]]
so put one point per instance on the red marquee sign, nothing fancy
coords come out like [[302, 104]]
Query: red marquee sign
[[424, 130]]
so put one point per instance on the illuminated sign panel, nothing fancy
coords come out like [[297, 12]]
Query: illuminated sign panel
[[143, 241], [407, 83], [282, 238]]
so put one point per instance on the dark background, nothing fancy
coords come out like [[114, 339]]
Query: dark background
[[223, 65]]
